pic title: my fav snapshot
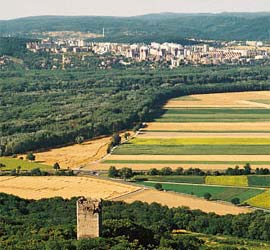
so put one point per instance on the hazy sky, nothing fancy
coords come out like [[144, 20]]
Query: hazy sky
[[20, 8]]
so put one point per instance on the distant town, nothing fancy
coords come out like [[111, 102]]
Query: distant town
[[175, 55]]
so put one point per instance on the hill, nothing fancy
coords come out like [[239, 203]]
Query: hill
[[159, 27]]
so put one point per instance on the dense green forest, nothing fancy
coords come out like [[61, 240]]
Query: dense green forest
[[40, 109], [155, 27], [51, 224]]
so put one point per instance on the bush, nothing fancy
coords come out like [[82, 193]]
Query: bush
[[158, 186], [207, 196], [235, 201]]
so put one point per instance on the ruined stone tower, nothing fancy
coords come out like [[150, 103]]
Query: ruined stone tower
[[88, 218]]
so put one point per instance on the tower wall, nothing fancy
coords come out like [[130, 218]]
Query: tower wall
[[88, 218]]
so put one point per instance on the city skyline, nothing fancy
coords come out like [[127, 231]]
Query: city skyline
[[17, 8]]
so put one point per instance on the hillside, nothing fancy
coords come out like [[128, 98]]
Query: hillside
[[158, 27]]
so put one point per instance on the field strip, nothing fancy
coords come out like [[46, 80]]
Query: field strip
[[235, 99], [205, 185], [256, 104], [259, 163], [246, 158], [232, 132], [51, 186], [200, 135], [172, 199], [202, 141], [209, 126]]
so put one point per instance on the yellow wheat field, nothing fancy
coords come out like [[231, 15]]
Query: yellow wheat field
[[75, 155], [191, 157], [29, 187], [177, 200], [209, 126], [237, 99]]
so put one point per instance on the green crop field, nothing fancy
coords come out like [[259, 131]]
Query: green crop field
[[13, 163], [214, 114], [179, 118], [259, 180], [238, 181], [176, 179], [201, 141], [135, 149], [219, 193]]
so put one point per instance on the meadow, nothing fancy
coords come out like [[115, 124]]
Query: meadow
[[14, 163], [218, 193]]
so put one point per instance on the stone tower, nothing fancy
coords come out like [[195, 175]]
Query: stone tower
[[88, 218]]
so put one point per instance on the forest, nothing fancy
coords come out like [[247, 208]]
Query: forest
[[51, 224], [41, 108]]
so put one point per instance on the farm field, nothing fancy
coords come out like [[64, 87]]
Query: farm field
[[209, 131], [217, 192], [176, 179], [75, 155], [262, 200], [13, 163], [241, 181], [67, 187], [175, 200]]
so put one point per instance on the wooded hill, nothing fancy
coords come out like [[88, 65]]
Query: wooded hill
[[165, 27]]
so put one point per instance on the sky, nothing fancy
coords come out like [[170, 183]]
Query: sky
[[10, 9]]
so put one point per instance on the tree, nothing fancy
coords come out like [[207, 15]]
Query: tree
[[79, 139], [30, 156], [166, 171], [158, 186], [113, 172], [127, 135], [153, 171], [56, 166], [125, 173], [116, 139], [207, 196], [235, 201], [19, 169], [179, 171], [247, 169]]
